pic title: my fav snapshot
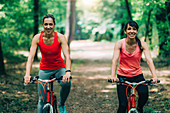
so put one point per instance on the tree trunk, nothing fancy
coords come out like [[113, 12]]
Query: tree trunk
[[70, 27], [122, 30], [129, 16], [2, 66], [128, 9], [123, 8], [148, 24], [36, 25]]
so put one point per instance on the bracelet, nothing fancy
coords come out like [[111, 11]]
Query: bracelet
[[68, 70]]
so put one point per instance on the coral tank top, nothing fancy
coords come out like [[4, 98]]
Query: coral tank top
[[129, 63]]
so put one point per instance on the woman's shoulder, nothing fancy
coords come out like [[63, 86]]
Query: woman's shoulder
[[36, 37], [121, 40], [143, 44], [119, 43], [60, 35]]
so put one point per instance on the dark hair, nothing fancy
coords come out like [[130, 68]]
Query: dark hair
[[49, 16], [134, 24]]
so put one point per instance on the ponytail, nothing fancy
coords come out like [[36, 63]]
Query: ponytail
[[139, 43]]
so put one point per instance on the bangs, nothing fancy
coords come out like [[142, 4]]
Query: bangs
[[133, 24]]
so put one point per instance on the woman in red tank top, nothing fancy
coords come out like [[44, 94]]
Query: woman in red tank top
[[128, 51], [51, 43]]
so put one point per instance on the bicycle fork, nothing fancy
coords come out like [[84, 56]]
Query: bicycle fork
[[50, 94], [49, 101], [131, 100]]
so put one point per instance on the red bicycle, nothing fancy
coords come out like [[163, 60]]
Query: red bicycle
[[51, 100], [130, 93]]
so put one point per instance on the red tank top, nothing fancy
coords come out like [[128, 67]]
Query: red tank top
[[51, 54], [129, 63]]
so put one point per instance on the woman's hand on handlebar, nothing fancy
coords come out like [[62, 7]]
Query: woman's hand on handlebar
[[27, 79], [154, 80], [66, 77], [114, 79]]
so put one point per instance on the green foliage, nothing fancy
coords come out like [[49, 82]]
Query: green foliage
[[95, 19], [17, 21], [99, 20], [16, 25], [104, 20], [58, 9], [163, 26]]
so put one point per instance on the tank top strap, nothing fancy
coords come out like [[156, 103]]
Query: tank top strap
[[55, 36], [123, 44], [41, 33]]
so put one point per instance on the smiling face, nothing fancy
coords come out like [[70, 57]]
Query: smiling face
[[48, 25], [131, 31]]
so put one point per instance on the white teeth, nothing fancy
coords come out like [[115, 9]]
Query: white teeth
[[131, 34]]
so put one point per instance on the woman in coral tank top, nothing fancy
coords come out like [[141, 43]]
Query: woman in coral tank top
[[51, 43], [128, 51]]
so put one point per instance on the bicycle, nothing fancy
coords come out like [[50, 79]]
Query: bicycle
[[130, 93], [51, 100]]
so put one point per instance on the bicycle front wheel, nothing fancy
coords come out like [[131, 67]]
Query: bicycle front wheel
[[48, 108], [133, 110], [55, 105]]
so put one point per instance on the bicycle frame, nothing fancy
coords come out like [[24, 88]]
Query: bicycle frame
[[130, 93], [51, 103], [49, 94], [51, 100], [131, 96]]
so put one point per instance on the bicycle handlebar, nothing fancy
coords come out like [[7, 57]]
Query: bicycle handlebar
[[148, 82], [34, 79]]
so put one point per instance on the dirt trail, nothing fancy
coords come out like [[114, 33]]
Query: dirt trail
[[91, 50], [90, 91]]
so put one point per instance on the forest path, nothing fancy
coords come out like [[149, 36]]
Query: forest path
[[90, 91]]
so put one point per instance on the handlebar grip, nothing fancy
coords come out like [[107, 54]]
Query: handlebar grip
[[62, 78], [31, 79], [25, 84], [109, 80], [158, 81]]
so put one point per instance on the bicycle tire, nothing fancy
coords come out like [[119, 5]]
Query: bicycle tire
[[133, 110], [55, 110], [48, 108]]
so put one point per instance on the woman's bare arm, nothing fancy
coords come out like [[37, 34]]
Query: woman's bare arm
[[149, 60], [31, 58], [115, 60], [65, 50]]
